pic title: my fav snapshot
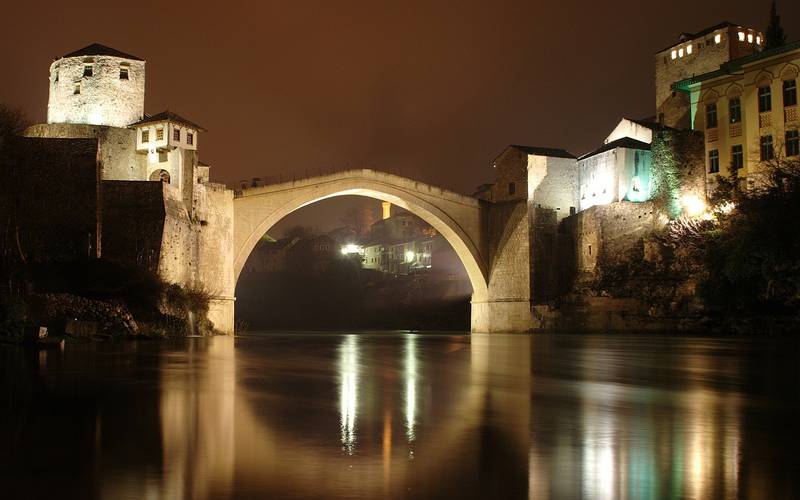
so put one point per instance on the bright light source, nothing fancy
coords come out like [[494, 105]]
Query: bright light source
[[741, 36], [717, 38], [680, 52], [750, 38], [688, 49], [674, 54], [693, 205], [758, 40], [410, 256], [352, 249]]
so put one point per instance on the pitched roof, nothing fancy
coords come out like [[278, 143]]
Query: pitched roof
[[624, 142], [168, 116], [552, 152], [97, 49]]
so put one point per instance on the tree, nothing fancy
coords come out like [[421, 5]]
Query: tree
[[775, 36]]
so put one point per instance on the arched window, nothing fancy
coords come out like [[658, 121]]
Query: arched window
[[160, 175]]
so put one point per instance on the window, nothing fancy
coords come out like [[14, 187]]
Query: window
[[674, 54], [145, 136], [176, 134], [713, 161], [688, 49], [764, 99], [758, 40], [88, 69], [792, 143], [749, 38], [767, 150], [159, 134], [77, 89], [189, 138], [737, 157], [123, 71], [789, 93], [711, 115], [717, 38], [55, 79], [680, 52], [512, 188], [735, 109], [741, 36]]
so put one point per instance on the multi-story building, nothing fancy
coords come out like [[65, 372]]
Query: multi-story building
[[695, 54], [747, 110]]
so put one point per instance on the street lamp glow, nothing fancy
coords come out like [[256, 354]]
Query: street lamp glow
[[410, 256], [351, 249]]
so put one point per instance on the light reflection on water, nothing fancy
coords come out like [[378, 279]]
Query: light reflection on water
[[401, 415]]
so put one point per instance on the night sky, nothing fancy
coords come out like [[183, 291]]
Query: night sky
[[430, 90]]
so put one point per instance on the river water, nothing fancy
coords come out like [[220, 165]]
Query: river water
[[403, 415]]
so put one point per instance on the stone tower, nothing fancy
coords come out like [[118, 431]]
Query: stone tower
[[96, 85], [696, 54]]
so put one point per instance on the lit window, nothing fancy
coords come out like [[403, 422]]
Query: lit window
[[176, 134], [688, 49], [789, 93], [159, 134], [123, 71], [713, 161], [674, 54], [735, 109], [680, 52], [88, 69], [189, 138], [767, 149], [737, 157], [717, 38], [145, 136], [741, 36], [758, 40], [77, 89], [711, 115], [749, 38], [764, 99], [792, 143]]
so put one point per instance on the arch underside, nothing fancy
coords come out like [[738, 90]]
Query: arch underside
[[256, 214]]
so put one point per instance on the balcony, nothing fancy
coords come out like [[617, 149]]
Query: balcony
[[735, 129], [790, 114], [765, 119], [712, 134]]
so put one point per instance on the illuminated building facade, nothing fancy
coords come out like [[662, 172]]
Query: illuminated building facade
[[694, 54], [747, 110]]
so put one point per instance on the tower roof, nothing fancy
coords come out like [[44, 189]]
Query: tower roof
[[168, 116], [97, 49]]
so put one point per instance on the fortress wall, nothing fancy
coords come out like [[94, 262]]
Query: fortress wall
[[133, 222], [117, 147], [215, 258], [178, 259], [50, 200]]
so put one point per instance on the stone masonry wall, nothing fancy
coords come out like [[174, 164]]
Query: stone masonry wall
[[117, 147], [103, 98], [49, 201], [133, 222]]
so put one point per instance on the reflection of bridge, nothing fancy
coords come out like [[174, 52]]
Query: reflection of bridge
[[494, 250]]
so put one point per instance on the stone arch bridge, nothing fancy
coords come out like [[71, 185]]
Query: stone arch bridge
[[493, 247]]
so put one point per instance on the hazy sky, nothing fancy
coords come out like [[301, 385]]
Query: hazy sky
[[431, 90]]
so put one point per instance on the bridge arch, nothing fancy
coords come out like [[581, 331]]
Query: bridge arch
[[456, 217]]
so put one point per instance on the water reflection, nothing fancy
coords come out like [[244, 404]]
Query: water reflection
[[348, 392], [410, 375], [403, 416]]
